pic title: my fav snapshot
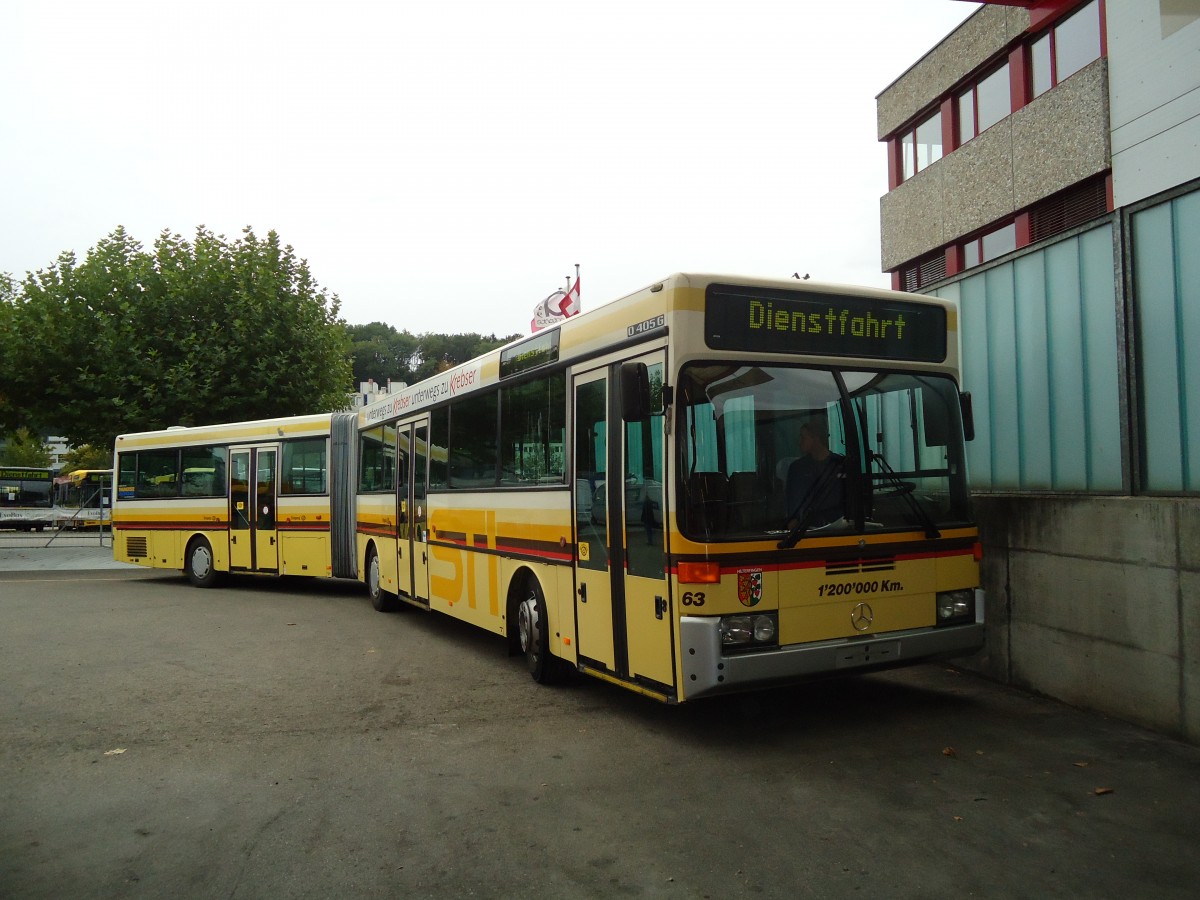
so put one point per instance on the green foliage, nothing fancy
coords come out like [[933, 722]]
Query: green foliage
[[22, 448], [380, 352], [190, 334], [87, 457]]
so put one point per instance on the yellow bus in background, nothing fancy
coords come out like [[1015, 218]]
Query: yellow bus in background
[[26, 498], [714, 484], [82, 498]]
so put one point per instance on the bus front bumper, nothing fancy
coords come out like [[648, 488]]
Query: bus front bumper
[[706, 671]]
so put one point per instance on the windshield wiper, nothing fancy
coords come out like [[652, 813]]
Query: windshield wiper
[[904, 489], [811, 503]]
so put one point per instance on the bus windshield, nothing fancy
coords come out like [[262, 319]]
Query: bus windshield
[[771, 451]]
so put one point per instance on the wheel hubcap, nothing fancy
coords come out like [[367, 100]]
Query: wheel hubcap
[[201, 565], [528, 626]]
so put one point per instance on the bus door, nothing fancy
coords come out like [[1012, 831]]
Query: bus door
[[594, 594], [648, 626], [253, 542], [623, 609], [413, 514]]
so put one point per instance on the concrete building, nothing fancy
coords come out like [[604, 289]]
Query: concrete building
[[1044, 171]]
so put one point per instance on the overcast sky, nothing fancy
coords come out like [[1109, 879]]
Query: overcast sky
[[443, 165]]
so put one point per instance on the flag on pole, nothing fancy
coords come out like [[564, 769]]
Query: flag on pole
[[557, 307], [569, 305], [548, 313]]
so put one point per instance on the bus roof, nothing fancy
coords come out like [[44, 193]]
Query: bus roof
[[631, 318], [261, 429]]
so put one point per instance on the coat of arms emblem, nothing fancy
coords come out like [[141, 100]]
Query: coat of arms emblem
[[749, 586]]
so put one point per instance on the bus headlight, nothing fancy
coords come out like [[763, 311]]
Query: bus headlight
[[749, 632], [956, 607]]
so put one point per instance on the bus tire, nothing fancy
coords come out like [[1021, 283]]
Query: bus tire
[[201, 565], [532, 632], [380, 599]]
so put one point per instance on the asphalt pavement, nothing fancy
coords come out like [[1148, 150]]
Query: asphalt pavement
[[48, 551], [272, 738]]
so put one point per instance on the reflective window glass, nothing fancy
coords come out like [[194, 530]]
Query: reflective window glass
[[304, 467], [997, 243], [1041, 72], [1077, 41], [376, 460], [533, 431], [204, 471], [966, 116], [473, 442], [993, 99], [929, 141]]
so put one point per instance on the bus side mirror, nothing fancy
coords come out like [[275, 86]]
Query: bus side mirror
[[968, 416], [635, 392]]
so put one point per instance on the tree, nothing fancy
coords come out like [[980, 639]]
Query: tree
[[25, 449], [190, 334], [381, 352], [378, 351], [87, 457]]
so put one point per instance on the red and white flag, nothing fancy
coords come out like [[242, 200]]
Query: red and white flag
[[569, 306]]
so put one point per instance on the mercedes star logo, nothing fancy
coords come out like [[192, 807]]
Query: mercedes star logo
[[862, 617]]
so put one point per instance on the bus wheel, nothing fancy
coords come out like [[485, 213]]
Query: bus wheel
[[200, 569], [380, 599], [535, 642]]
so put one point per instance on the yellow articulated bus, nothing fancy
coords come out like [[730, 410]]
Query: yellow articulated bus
[[247, 497], [715, 484]]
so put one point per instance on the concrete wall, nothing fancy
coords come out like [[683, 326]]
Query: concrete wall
[[1096, 601]]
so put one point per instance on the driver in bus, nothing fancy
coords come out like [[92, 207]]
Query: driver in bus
[[815, 478]]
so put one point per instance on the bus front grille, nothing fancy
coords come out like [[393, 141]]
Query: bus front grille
[[861, 566]]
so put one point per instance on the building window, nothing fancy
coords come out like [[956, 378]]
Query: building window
[[990, 245], [1065, 49], [922, 146], [924, 271], [984, 104]]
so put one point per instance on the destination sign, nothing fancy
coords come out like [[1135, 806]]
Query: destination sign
[[26, 474], [781, 321]]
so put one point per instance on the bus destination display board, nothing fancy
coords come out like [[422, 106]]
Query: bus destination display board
[[778, 321]]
